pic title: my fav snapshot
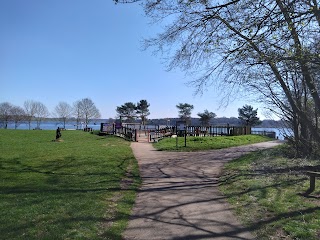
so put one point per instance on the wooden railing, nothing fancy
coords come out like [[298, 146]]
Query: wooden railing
[[121, 131]]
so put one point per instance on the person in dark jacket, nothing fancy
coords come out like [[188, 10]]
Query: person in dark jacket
[[58, 133]]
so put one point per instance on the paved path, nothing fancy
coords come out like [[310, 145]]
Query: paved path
[[179, 196]]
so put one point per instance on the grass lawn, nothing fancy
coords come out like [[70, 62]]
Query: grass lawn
[[80, 188], [267, 191], [207, 143]]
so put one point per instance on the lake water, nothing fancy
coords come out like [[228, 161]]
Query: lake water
[[281, 133], [53, 125]]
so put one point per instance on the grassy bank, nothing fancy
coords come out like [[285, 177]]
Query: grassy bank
[[207, 143], [267, 190], [80, 188]]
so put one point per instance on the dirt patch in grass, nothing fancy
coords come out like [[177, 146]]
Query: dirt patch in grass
[[118, 205], [57, 140], [111, 212]]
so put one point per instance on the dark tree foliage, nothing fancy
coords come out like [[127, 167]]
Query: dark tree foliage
[[143, 110], [206, 117], [248, 116], [184, 111], [127, 111]]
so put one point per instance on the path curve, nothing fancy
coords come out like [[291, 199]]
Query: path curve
[[179, 196]]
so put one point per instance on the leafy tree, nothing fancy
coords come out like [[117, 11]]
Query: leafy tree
[[184, 110], [205, 117], [64, 111], [127, 111], [142, 110], [88, 110], [248, 116]]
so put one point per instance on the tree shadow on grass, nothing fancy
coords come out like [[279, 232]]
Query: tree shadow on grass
[[58, 167], [36, 195], [282, 180], [57, 177]]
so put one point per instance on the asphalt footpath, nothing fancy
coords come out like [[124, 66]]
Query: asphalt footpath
[[179, 196]]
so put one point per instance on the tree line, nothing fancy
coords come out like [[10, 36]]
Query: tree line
[[129, 112], [82, 110]]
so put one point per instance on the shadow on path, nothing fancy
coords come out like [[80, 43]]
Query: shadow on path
[[179, 196]]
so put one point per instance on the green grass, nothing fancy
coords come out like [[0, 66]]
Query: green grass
[[71, 189], [268, 190], [207, 143]]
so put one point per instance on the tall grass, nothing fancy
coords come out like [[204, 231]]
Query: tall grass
[[71, 189]]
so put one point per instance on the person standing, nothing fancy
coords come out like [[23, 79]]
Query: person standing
[[58, 133]]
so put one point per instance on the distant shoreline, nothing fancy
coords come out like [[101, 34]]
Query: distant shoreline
[[53, 124]]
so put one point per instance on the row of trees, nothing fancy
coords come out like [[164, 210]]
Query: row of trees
[[129, 111], [82, 110], [247, 115], [269, 48]]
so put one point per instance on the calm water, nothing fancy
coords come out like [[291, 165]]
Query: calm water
[[52, 125], [281, 133]]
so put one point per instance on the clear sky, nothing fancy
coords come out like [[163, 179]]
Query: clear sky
[[66, 50]]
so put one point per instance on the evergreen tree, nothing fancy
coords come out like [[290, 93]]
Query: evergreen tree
[[248, 116], [184, 110], [142, 110], [205, 117], [127, 111]]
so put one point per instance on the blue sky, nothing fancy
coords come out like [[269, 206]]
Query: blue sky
[[66, 50]]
